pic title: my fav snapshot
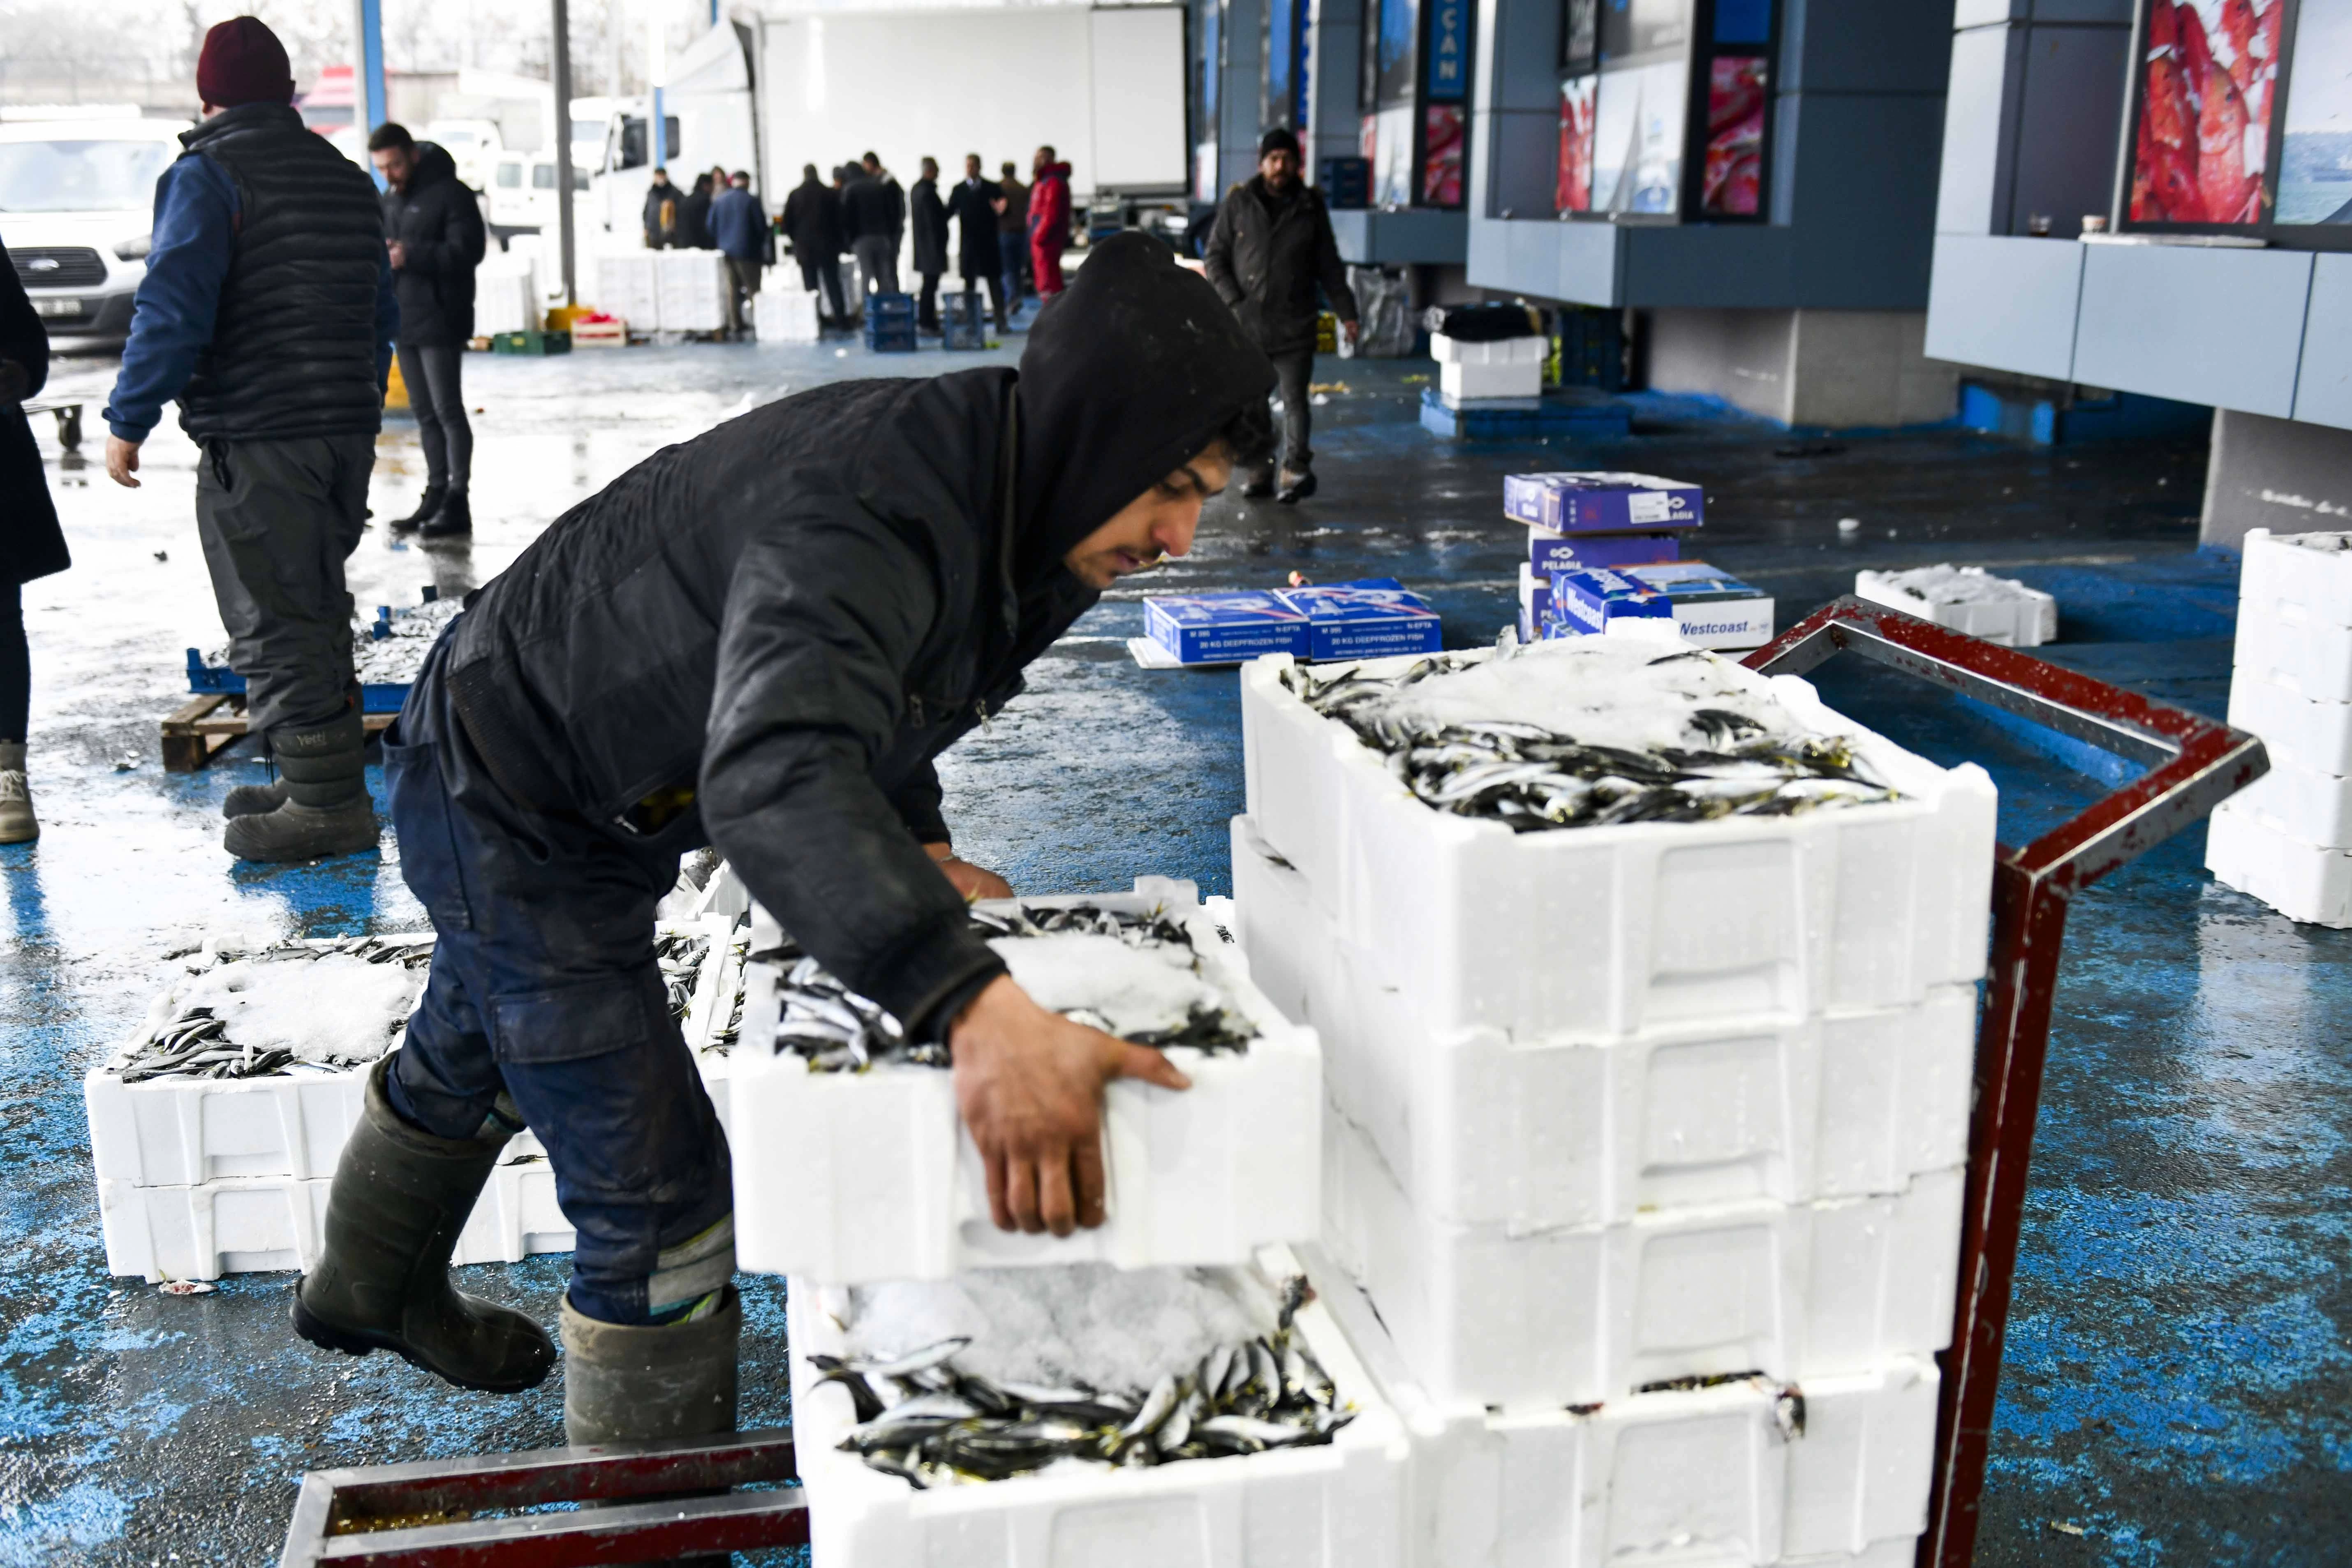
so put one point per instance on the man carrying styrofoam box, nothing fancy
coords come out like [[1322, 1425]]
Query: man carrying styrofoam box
[[760, 639]]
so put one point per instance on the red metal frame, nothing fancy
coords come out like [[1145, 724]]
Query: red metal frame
[[423, 1515], [2197, 763]]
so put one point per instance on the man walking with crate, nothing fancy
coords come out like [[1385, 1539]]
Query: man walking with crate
[[433, 233], [268, 311], [740, 227], [1269, 249]]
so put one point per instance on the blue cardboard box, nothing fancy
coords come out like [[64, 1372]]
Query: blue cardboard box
[[1224, 629], [1603, 501], [1708, 605], [1549, 553], [1586, 602], [1368, 618]]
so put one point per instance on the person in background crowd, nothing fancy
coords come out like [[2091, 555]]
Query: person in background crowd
[[433, 233], [1049, 220], [694, 217], [1270, 248], [929, 219], [31, 543], [268, 311], [874, 211], [661, 211], [974, 206], [1012, 233], [741, 230], [813, 228]]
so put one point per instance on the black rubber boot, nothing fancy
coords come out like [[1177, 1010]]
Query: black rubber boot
[[1261, 483], [454, 520], [327, 810], [425, 507], [1296, 488], [632, 1382], [247, 800], [400, 1199]]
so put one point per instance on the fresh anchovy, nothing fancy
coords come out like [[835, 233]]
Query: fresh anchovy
[[1158, 1406], [1243, 1434], [914, 1361], [197, 1044], [864, 1402]]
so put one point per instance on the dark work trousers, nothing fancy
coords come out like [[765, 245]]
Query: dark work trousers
[[436, 393], [1015, 249], [927, 308], [1295, 373], [16, 664], [544, 984], [878, 263], [743, 281], [995, 295], [828, 273], [277, 520]]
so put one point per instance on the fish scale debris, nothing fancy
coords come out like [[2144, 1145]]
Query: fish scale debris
[[1696, 748]]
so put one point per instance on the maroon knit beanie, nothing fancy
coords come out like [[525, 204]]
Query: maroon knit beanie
[[243, 62]]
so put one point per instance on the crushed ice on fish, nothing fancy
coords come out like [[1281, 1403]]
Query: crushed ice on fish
[[261, 1009]]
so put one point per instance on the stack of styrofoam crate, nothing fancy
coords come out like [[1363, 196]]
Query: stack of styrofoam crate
[[628, 286], [199, 1178], [1644, 1142], [1507, 369], [2287, 838], [694, 287], [784, 314], [506, 296]]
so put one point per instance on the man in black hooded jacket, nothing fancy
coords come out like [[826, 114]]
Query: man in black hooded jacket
[[759, 639], [433, 232]]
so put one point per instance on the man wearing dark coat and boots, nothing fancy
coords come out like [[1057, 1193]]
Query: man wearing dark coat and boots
[[760, 639], [433, 233], [268, 311], [927, 216]]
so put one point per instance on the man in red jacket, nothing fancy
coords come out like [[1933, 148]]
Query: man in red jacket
[[1049, 220]]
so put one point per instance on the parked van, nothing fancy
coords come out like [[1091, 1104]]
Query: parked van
[[77, 208]]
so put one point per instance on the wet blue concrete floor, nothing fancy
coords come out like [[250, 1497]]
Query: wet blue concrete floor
[[2178, 1384]]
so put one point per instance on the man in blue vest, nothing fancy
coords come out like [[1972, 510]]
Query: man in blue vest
[[268, 311]]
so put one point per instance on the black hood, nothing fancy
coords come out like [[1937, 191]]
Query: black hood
[[1128, 372], [434, 165]]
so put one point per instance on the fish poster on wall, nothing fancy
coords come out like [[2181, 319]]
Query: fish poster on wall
[[2200, 150], [1444, 133], [1637, 134], [1575, 193], [2314, 174], [1736, 99], [1392, 158]]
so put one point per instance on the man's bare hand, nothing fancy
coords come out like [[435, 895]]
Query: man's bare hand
[[972, 881], [121, 461], [1029, 1085], [397, 252], [1348, 333]]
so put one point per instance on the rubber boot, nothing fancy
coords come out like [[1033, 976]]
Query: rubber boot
[[425, 507], [1296, 488], [1260, 484], [453, 520], [246, 800], [636, 1383], [327, 810], [400, 1198], [17, 824]]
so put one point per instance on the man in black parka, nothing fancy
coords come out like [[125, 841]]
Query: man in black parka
[[759, 639], [31, 543], [813, 224], [433, 233], [927, 218]]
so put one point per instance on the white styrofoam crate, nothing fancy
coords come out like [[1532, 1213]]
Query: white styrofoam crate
[[1717, 1476], [857, 1177], [694, 286], [1480, 1129], [182, 1131], [1337, 1506], [1503, 351], [2280, 643], [506, 300], [2309, 575], [2309, 806], [2304, 881], [629, 286], [247, 1224], [2027, 621], [1524, 1322], [1459, 383], [2293, 729], [1599, 932], [783, 313]]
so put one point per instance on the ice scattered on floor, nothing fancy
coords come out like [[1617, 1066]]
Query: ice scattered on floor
[[1949, 585], [1136, 990], [1111, 1330]]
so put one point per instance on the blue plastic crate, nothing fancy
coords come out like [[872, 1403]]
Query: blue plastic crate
[[889, 309], [961, 324], [203, 677], [891, 341]]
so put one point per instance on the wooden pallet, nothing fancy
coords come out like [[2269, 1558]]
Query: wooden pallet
[[198, 729]]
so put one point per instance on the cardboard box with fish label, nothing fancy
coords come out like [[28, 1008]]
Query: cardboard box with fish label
[[1369, 617], [1603, 501], [1549, 551], [1709, 606]]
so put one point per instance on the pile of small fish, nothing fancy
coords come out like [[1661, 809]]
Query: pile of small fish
[[681, 955], [921, 1420], [397, 657], [1531, 778], [195, 1043], [838, 1030]]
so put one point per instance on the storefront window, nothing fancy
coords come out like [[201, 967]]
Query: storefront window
[[1671, 114], [2314, 172]]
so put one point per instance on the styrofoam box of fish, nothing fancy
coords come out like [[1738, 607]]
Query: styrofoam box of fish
[[2294, 727], [852, 1177], [2308, 575], [1481, 1129], [1339, 1503], [1524, 1321], [1832, 1472], [183, 1131], [1998, 609], [2302, 880], [249, 1225], [1599, 931]]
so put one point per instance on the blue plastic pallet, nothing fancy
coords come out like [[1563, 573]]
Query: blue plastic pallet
[[203, 677], [1560, 414]]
